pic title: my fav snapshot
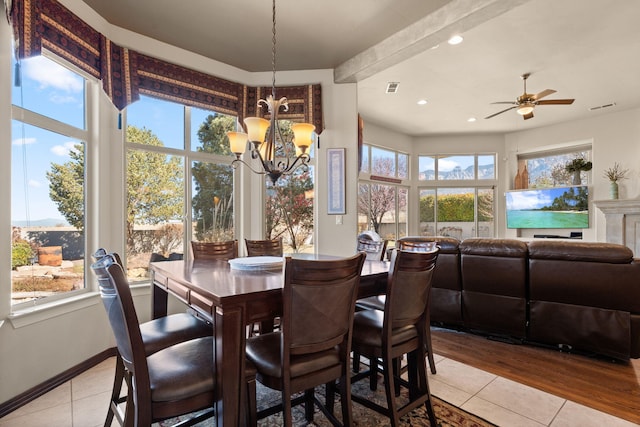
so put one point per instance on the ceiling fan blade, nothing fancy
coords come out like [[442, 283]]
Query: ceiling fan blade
[[544, 93], [505, 102], [500, 112], [556, 102], [528, 116]]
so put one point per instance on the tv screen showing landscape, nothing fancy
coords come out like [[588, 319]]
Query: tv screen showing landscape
[[557, 207]]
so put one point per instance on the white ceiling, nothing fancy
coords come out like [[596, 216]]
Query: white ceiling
[[587, 50]]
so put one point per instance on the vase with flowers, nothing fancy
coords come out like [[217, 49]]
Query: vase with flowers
[[615, 174], [575, 167]]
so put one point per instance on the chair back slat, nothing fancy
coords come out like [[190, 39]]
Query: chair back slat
[[264, 247], [319, 299], [215, 250], [409, 285]]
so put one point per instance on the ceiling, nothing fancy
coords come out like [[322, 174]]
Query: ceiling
[[589, 51]]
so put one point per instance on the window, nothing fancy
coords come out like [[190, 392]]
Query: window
[[161, 158], [548, 169], [383, 193], [459, 202], [48, 185], [289, 203]]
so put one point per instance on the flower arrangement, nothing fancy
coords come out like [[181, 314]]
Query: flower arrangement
[[615, 173], [578, 164]]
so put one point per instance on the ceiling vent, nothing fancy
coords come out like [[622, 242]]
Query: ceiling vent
[[392, 87], [600, 107]]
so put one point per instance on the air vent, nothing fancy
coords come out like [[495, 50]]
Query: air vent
[[392, 87], [600, 107]]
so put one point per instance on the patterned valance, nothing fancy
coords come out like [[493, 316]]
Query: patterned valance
[[126, 74]]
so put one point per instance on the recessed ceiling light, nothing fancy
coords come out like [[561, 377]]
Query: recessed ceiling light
[[471, 119], [457, 39], [422, 102]]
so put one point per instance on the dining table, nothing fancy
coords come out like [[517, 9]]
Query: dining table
[[232, 298]]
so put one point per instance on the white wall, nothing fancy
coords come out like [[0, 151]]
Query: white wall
[[615, 137], [38, 346]]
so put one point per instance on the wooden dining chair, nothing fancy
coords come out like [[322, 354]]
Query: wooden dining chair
[[313, 345], [377, 302], [156, 335], [398, 330], [268, 247], [224, 251], [174, 381]]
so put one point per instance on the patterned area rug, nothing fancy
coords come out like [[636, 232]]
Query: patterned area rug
[[447, 414]]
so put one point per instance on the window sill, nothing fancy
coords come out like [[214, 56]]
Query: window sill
[[39, 313]]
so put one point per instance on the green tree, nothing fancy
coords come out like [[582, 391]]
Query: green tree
[[154, 185], [66, 187], [212, 201]]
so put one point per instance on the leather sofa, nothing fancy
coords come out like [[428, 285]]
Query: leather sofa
[[575, 296]]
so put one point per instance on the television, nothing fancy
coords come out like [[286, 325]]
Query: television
[[555, 207]]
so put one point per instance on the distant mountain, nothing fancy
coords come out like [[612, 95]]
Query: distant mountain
[[47, 222], [484, 171]]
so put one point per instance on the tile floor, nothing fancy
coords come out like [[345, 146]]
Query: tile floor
[[82, 401]]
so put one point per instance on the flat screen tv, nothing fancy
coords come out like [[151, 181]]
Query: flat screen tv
[[557, 207]]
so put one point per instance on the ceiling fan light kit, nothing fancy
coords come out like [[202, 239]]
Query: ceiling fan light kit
[[526, 103]]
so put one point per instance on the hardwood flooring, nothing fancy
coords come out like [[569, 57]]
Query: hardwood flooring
[[608, 386]]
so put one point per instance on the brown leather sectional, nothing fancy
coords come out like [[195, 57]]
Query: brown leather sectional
[[573, 295]]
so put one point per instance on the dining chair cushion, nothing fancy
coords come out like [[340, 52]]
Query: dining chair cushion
[[168, 330], [367, 329], [264, 351], [182, 370]]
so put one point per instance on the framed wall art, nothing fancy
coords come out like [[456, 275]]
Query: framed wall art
[[336, 184]]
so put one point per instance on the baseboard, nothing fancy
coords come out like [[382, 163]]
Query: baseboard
[[37, 391]]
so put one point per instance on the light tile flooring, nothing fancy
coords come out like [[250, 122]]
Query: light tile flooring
[[82, 401]]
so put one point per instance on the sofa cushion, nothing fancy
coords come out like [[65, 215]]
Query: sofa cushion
[[580, 251], [508, 248]]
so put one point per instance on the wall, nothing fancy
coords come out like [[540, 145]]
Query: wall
[[39, 345], [614, 136]]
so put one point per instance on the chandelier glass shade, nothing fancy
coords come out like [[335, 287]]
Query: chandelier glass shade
[[525, 108], [276, 155]]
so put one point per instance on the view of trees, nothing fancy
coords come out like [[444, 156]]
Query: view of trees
[[457, 207], [574, 199]]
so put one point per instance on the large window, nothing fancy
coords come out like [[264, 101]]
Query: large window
[[549, 168], [382, 192], [169, 145], [48, 185], [456, 195]]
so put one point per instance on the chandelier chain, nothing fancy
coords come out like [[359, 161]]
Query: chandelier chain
[[273, 51]]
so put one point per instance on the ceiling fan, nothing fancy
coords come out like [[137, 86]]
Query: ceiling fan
[[526, 102]]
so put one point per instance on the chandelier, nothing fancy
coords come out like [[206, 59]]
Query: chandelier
[[276, 155]]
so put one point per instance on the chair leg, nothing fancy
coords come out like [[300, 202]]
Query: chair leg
[[330, 396], [432, 363], [356, 362], [345, 400], [308, 405], [389, 388], [115, 392], [373, 373]]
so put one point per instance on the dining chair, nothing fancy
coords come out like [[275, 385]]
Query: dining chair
[[375, 250], [156, 335], [314, 341], [174, 381], [268, 247], [224, 251], [398, 330], [377, 302]]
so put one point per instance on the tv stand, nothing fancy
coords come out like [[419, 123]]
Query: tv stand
[[573, 235]]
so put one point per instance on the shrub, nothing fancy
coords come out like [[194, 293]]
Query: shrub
[[21, 254]]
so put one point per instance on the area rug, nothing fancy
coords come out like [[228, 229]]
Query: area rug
[[448, 415]]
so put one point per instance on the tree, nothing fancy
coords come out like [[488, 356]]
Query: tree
[[289, 212], [381, 198], [212, 201], [66, 187], [154, 185]]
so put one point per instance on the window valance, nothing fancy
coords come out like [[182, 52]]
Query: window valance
[[125, 74]]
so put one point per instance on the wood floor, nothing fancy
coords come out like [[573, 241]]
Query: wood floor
[[611, 387]]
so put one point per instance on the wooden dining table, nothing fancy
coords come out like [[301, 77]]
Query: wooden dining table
[[231, 299]]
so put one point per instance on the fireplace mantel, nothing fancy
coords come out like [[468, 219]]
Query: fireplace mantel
[[623, 221]]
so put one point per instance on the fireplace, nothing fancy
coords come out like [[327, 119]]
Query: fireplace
[[623, 222]]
